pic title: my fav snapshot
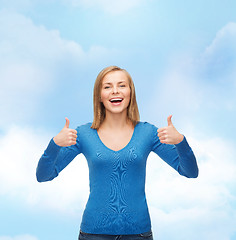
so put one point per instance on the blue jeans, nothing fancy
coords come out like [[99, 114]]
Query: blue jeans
[[141, 236]]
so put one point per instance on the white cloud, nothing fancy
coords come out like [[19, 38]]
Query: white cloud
[[18, 173], [29, 56], [218, 61], [24, 42], [199, 208], [19, 237], [33, 61], [16, 5], [197, 90], [224, 41], [110, 6]]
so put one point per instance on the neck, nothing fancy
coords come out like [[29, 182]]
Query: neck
[[116, 121]]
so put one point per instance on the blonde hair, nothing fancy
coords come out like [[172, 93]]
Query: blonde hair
[[98, 107]]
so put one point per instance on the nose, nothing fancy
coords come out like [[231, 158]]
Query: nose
[[115, 89]]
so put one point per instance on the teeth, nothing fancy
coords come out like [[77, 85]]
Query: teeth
[[116, 99]]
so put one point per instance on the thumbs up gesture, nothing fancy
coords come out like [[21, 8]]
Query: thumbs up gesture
[[169, 134], [66, 137]]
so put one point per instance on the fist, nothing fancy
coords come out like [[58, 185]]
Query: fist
[[66, 137], [169, 134]]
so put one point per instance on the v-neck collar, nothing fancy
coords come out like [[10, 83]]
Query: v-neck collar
[[126, 146]]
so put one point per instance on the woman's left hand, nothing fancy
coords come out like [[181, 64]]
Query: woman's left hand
[[169, 134]]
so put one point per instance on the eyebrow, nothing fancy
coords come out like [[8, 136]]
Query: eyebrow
[[111, 83]]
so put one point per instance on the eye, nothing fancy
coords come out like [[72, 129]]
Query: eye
[[122, 85], [106, 87]]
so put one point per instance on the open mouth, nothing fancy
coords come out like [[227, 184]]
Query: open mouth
[[116, 100]]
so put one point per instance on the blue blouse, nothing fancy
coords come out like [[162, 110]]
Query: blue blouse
[[117, 201]]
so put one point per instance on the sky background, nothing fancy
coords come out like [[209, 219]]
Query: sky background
[[182, 57]]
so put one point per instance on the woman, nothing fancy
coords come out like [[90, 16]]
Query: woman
[[116, 146]]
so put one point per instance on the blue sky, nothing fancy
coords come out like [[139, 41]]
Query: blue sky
[[182, 57]]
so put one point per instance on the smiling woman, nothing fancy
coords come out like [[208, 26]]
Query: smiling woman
[[110, 79], [116, 146]]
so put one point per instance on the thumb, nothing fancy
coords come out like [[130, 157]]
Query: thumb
[[169, 121], [67, 123]]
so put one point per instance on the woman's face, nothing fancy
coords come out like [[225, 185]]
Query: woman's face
[[115, 92]]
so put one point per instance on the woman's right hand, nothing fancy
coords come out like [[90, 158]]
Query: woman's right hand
[[66, 137]]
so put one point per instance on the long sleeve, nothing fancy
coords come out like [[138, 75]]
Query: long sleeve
[[54, 160], [179, 156]]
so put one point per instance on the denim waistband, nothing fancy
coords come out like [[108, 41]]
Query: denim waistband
[[90, 236]]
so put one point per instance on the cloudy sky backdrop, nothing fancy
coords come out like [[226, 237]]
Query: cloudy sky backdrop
[[182, 57]]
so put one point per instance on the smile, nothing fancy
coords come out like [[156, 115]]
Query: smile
[[116, 101]]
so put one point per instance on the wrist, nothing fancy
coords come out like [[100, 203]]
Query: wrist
[[56, 140], [180, 138]]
